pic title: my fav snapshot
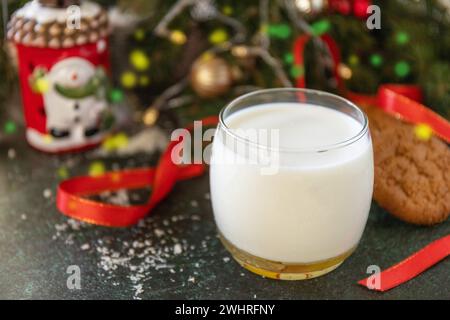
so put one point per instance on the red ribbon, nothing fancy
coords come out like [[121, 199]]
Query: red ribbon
[[410, 267], [71, 198]]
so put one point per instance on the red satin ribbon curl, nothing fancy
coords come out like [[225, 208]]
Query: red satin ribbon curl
[[71, 198]]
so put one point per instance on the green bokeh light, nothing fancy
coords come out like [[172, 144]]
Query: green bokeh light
[[289, 58], [376, 60], [10, 127], [320, 27], [116, 95], [402, 38], [281, 31], [402, 69]]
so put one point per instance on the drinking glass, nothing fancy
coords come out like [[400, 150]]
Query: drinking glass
[[286, 209]]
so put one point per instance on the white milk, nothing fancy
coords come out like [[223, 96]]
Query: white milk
[[316, 206]]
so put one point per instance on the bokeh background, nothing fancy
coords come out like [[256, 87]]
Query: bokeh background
[[412, 47]]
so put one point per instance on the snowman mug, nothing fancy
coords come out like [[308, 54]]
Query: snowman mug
[[63, 74]]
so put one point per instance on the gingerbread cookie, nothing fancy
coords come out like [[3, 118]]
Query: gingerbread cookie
[[412, 176]]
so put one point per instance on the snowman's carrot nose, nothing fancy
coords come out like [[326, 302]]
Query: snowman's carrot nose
[[74, 76]]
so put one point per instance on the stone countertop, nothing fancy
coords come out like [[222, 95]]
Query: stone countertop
[[175, 253]]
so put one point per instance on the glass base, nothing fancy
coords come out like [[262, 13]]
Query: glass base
[[283, 271]]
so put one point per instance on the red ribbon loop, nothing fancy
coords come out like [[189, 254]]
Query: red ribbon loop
[[71, 198]]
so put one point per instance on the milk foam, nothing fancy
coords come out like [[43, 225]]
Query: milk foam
[[304, 126]]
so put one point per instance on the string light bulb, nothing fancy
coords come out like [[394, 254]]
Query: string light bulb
[[178, 37], [344, 71]]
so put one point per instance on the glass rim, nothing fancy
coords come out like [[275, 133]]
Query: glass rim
[[324, 148]]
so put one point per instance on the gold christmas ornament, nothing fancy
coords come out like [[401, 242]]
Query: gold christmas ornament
[[211, 76]]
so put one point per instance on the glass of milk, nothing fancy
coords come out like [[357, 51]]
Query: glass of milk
[[291, 181]]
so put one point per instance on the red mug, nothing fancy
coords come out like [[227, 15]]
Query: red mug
[[63, 73]]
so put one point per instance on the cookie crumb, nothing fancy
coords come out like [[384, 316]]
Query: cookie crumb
[[177, 249], [191, 279], [194, 203], [47, 193], [12, 154], [159, 233]]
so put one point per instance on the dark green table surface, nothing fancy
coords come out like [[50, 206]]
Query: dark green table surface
[[37, 245]]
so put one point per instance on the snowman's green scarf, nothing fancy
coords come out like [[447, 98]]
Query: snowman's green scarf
[[95, 86]]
